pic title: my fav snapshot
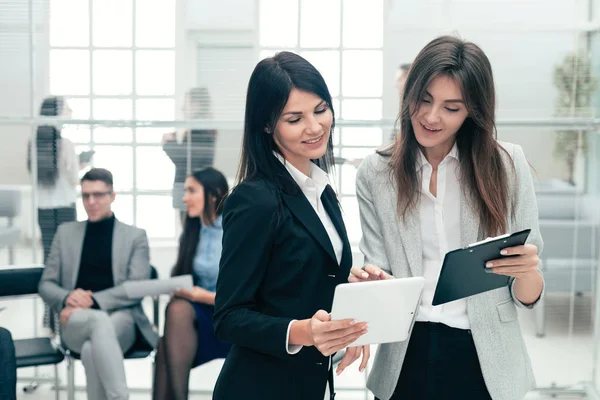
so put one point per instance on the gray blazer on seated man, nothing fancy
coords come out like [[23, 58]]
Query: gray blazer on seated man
[[85, 270]]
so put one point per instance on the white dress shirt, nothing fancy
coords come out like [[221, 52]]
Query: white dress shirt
[[312, 187], [440, 233], [63, 193]]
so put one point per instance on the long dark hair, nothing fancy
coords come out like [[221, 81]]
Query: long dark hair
[[268, 90], [47, 141], [215, 187], [482, 169]]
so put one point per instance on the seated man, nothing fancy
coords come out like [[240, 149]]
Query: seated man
[[85, 270], [8, 366]]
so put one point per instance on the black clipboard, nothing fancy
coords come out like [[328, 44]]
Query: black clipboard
[[463, 271]]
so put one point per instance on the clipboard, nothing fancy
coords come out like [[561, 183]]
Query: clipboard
[[86, 156], [463, 271], [137, 289], [388, 306]]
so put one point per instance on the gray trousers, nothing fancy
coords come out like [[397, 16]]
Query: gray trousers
[[101, 339]]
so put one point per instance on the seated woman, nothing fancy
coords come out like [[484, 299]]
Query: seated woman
[[189, 338]]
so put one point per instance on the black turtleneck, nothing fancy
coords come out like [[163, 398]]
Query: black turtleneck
[[95, 270]]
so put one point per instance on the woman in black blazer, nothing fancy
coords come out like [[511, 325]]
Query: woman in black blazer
[[285, 246]]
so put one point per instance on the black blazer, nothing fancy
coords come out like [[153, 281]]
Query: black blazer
[[277, 265]]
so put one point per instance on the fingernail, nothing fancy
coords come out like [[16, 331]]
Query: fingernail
[[337, 372], [489, 265], [352, 322], [364, 275], [489, 271], [504, 252], [361, 369]]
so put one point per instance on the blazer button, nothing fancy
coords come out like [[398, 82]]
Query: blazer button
[[319, 363], [331, 276]]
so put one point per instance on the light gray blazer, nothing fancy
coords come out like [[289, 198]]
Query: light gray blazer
[[130, 261], [395, 246]]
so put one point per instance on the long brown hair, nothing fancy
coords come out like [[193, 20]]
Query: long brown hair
[[483, 174], [216, 189]]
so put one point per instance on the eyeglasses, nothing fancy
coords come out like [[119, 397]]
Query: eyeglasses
[[96, 195]]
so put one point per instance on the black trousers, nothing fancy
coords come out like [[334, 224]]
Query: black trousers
[[8, 366], [49, 220], [441, 364]]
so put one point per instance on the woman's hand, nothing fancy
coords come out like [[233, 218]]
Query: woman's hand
[[331, 336], [352, 354], [523, 263], [369, 273], [197, 295]]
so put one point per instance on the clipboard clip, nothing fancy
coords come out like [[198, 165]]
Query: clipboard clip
[[490, 239]]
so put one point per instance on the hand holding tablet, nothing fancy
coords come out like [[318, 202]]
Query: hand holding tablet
[[386, 304]]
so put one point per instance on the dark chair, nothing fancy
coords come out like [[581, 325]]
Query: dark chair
[[140, 349], [37, 351]]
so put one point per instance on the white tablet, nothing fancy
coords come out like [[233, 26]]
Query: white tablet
[[388, 306]]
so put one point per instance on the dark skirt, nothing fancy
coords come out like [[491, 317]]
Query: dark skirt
[[209, 347], [441, 363]]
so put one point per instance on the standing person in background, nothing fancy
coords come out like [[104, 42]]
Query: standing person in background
[[57, 179], [399, 81], [197, 148]]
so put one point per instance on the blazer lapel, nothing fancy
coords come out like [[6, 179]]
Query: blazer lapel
[[76, 245], [410, 235], [303, 211], [469, 221], [333, 210], [117, 252]]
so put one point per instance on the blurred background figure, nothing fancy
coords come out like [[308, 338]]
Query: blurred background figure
[[399, 81], [196, 149], [400, 77], [57, 178]]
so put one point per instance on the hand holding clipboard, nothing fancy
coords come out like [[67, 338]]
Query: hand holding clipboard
[[465, 272]]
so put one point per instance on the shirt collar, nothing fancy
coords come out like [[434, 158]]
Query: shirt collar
[[318, 177], [422, 160], [217, 224]]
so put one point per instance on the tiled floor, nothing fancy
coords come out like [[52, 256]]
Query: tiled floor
[[560, 358]]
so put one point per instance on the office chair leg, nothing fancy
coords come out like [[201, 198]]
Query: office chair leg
[[71, 379], [56, 383], [540, 318]]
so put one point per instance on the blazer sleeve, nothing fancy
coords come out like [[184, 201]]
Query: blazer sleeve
[[525, 212], [138, 268], [248, 237], [372, 243], [50, 288], [175, 151]]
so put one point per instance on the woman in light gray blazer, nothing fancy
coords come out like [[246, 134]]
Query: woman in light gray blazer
[[447, 182]]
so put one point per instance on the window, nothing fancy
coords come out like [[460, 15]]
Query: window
[[115, 60], [343, 39]]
